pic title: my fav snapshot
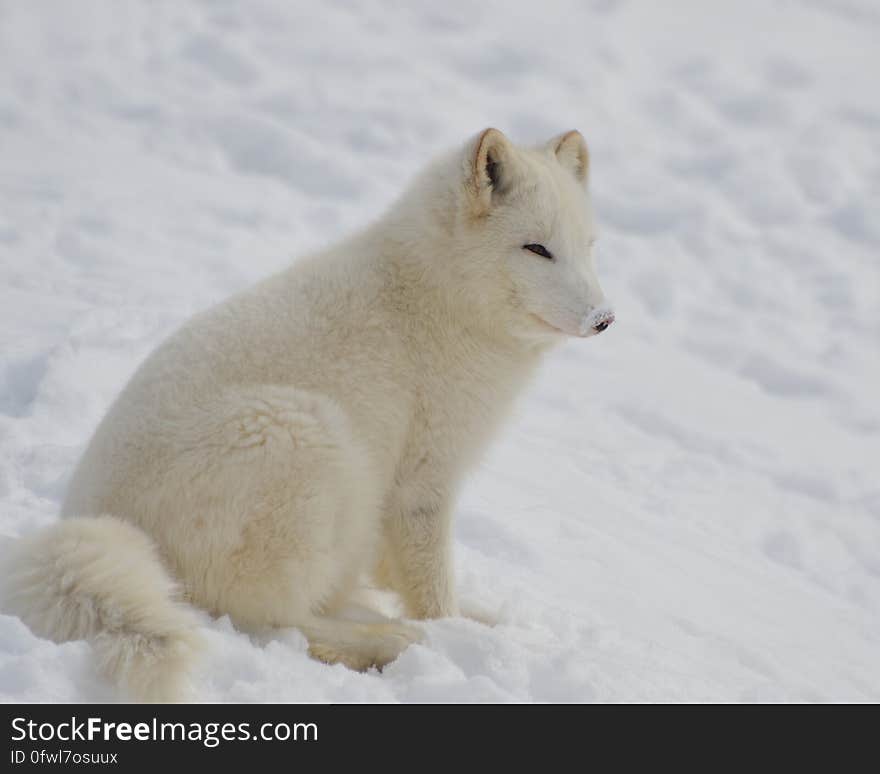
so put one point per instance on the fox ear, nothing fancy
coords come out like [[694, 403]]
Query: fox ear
[[571, 151], [488, 170]]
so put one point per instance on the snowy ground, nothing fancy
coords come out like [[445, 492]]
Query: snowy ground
[[686, 508]]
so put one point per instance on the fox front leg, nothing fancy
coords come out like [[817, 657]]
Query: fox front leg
[[419, 562]]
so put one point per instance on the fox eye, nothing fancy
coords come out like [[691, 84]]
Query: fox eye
[[539, 250]]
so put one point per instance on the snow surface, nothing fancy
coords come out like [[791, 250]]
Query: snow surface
[[686, 508]]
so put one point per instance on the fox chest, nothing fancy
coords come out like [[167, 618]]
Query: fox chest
[[454, 420]]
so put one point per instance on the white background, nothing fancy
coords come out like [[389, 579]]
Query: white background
[[685, 508]]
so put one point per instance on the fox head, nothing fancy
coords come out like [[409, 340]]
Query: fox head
[[517, 230]]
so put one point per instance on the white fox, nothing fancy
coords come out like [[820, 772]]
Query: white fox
[[316, 427]]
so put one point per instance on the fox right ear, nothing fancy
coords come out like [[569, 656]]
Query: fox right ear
[[487, 170], [571, 151]]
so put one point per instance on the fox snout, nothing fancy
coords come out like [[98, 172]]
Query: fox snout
[[597, 321]]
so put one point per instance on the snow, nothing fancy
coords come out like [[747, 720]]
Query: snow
[[685, 508]]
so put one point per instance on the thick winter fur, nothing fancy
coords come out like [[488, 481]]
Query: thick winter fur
[[317, 426]]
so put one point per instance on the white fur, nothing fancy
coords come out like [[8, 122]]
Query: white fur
[[317, 426], [99, 578]]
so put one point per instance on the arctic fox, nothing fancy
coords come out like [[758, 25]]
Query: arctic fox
[[316, 427]]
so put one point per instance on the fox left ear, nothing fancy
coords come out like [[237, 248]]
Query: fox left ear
[[488, 169], [571, 151]]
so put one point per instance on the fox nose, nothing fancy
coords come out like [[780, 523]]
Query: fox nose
[[597, 321], [603, 324]]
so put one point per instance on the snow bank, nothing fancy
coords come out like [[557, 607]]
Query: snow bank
[[687, 508]]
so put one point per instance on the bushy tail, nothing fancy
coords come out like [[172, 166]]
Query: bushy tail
[[101, 579]]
